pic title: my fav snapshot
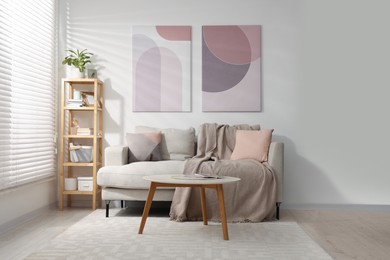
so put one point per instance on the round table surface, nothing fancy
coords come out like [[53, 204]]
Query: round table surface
[[182, 179]]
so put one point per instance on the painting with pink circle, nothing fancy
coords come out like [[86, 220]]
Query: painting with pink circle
[[231, 68]]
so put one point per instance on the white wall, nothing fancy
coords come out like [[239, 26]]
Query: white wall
[[342, 144], [324, 83]]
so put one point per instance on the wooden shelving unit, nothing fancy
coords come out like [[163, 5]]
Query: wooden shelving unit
[[68, 86]]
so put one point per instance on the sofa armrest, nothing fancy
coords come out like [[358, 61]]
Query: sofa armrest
[[116, 155], [276, 161]]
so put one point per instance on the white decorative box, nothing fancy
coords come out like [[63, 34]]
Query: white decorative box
[[85, 183], [70, 184]]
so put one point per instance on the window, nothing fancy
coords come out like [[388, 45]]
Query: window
[[28, 68]]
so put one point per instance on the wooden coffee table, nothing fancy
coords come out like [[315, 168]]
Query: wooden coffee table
[[174, 181]]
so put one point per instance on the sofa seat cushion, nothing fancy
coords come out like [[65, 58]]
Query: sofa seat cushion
[[129, 176]]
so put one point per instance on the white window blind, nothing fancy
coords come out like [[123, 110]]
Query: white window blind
[[28, 68]]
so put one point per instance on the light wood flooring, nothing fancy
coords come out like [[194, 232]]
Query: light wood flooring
[[347, 234], [343, 234]]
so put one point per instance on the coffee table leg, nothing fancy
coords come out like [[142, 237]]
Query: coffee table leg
[[148, 203], [203, 203], [222, 210]]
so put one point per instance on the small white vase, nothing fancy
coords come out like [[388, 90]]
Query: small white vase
[[70, 184], [75, 73]]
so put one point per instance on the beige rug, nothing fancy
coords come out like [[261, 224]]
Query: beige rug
[[98, 237]]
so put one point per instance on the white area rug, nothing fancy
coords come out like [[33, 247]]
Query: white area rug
[[98, 237]]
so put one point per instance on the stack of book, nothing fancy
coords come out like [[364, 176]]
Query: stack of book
[[74, 103], [80, 153], [84, 131], [72, 152]]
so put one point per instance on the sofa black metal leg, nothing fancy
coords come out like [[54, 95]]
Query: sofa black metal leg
[[107, 208], [122, 202], [277, 210]]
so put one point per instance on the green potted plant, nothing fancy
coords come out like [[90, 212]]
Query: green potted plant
[[78, 59]]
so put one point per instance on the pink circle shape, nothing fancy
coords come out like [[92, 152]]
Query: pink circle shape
[[175, 33], [228, 43], [252, 32]]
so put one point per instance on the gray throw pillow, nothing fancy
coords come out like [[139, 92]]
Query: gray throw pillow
[[144, 146], [176, 144]]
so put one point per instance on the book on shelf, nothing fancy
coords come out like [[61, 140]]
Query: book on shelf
[[74, 103], [84, 131], [72, 153]]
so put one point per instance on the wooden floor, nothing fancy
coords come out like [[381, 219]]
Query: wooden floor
[[347, 234], [343, 234]]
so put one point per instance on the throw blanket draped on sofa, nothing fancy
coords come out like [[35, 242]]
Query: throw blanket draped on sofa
[[250, 200]]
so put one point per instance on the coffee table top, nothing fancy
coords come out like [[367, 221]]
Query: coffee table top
[[181, 179]]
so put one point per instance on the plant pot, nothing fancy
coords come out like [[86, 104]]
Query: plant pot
[[75, 73]]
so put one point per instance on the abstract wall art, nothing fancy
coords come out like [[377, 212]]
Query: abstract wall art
[[231, 79], [161, 57]]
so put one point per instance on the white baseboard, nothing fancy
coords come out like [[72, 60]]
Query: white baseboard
[[355, 207], [25, 218]]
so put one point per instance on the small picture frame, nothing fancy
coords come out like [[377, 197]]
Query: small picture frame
[[91, 74], [88, 99]]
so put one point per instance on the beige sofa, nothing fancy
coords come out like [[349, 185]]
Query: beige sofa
[[123, 181]]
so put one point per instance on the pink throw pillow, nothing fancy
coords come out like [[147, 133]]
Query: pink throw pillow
[[252, 145]]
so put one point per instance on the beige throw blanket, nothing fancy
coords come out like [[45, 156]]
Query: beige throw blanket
[[250, 200]]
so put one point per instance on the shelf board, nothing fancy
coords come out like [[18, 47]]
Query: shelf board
[[81, 164], [81, 136], [82, 81], [82, 108], [77, 192]]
